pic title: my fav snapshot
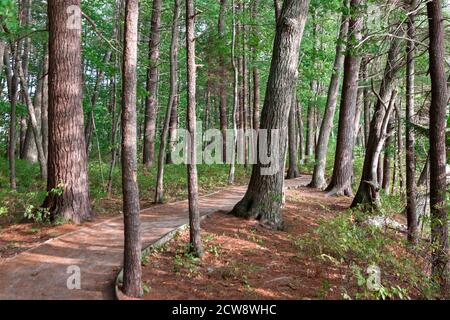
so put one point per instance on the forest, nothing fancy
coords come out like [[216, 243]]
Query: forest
[[224, 149]]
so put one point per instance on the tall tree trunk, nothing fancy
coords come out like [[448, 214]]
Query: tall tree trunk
[[366, 97], [400, 150], [29, 151], [2, 54], [301, 132], [438, 108], [231, 174], [342, 173], [310, 142], [159, 195], [387, 157], [207, 113], [152, 85], [245, 101], [114, 130], [368, 190], [194, 213], [12, 90], [293, 170], [67, 161], [318, 179], [256, 76], [411, 187], [223, 80], [263, 198], [132, 272], [314, 85], [44, 107]]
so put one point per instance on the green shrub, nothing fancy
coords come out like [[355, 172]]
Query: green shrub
[[345, 242]]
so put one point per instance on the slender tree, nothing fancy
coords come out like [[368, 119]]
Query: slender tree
[[318, 179], [256, 75], [159, 195], [411, 187], [132, 249], [223, 79], [231, 174], [194, 212], [13, 81], [152, 85], [44, 107], [314, 85]]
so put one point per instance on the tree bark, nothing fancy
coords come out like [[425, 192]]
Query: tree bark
[[263, 198], [366, 98], [314, 84], [411, 187], [438, 108], [223, 80], [255, 71], [301, 132], [310, 142], [44, 107], [114, 130], [12, 90], [318, 178], [67, 161], [277, 6], [387, 157], [194, 213], [293, 170], [231, 174], [2, 53], [152, 85], [342, 173], [159, 194], [132, 272]]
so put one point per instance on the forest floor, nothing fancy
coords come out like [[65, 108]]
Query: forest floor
[[321, 254], [43, 272], [246, 261]]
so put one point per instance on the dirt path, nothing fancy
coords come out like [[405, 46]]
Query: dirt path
[[42, 272]]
